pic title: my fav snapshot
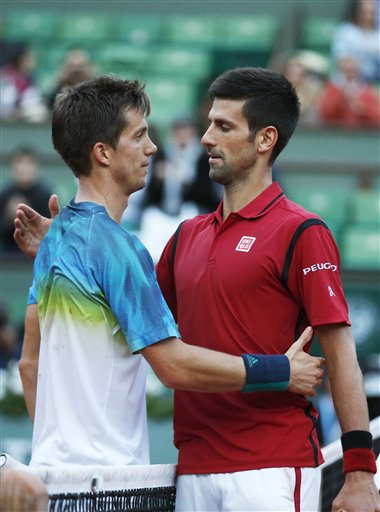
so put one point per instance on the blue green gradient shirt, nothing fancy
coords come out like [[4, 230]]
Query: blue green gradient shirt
[[99, 303]]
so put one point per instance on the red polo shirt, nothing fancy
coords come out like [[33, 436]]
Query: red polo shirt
[[250, 284]]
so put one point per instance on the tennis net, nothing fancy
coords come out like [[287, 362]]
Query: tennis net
[[106, 488], [332, 474]]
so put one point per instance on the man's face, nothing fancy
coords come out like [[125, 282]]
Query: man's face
[[227, 141], [130, 159]]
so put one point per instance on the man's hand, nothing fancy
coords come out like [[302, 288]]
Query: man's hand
[[358, 494], [22, 492], [306, 371], [31, 227]]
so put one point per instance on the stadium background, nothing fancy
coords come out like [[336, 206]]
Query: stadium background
[[177, 47]]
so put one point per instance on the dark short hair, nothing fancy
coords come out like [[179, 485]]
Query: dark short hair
[[271, 100], [91, 112]]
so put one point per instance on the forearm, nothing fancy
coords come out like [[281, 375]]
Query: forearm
[[349, 398], [358, 491], [28, 373], [345, 377], [182, 366], [28, 365], [195, 368]]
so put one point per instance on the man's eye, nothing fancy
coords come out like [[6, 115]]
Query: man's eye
[[224, 128]]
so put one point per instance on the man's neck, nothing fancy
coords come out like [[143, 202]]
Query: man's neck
[[237, 197], [113, 202]]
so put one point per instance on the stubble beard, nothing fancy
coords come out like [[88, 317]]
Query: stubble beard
[[220, 174]]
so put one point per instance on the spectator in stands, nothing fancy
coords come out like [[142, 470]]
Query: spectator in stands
[[203, 192], [76, 67], [7, 46], [152, 194], [308, 72], [20, 98], [350, 102], [358, 36], [24, 186], [171, 182]]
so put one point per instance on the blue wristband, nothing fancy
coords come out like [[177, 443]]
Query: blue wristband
[[266, 372]]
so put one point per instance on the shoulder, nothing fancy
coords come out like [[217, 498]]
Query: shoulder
[[196, 223], [293, 214]]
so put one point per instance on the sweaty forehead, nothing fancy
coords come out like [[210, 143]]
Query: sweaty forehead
[[228, 110]]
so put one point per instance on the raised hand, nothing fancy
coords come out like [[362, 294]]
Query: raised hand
[[306, 371], [31, 227]]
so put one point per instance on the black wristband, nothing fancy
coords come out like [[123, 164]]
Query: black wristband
[[356, 439]]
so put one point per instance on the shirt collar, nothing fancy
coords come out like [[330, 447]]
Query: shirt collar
[[86, 206], [258, 206]]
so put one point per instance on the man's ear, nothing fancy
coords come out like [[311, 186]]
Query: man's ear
[[101, 153], [266, 139]]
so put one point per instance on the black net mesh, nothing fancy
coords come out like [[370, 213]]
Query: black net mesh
[[157, 499]]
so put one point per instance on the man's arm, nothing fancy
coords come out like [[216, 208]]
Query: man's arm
[[183, 366], [359, 491], [28, 364], [31, 227]]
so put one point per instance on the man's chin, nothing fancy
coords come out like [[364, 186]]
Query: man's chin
[[138, 186], [216, 175]]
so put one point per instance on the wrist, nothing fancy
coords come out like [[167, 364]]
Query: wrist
[[358, 455], [266, 372]]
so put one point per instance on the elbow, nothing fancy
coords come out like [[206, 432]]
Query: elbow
[[171, 362], [176, 373], [171, 377], [27, 368]]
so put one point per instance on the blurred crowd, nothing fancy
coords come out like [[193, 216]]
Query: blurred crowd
[[341, 88]]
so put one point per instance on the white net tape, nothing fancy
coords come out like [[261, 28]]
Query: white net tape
[[73, 478], [74, 488]]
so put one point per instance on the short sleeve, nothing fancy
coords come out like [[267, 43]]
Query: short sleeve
[[32, 295], [314, 277], [125, 272]]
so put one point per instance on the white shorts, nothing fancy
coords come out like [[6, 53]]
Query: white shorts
[[261, 490]]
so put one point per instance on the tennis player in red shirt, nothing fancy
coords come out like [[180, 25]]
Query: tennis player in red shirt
[[248, 278]]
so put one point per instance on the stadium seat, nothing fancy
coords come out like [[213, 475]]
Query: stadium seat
[[83, 29], [30, 25], [365, 207], [317, 34], [170, 99], [136, 30], [123, 59], [197, 31], [245, 41], [180, 61], [361, 248], [254, 32]]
